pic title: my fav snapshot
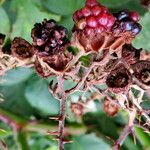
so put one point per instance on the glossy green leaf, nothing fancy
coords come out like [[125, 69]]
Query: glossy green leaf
[[16, 76], [142, 41], [88, 142], [28, 13], [144, 138], [4, 22], [39, 97], [63, 7], [145, 105]]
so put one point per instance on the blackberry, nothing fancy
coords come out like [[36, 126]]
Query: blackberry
[[122, 15], [136, 29], [126, 21], [90, 21], [21, 49], [48, 37], [95, 15], [127, 26]]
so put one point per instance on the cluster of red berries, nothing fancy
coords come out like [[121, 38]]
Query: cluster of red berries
[[127, 21], [93, 16]]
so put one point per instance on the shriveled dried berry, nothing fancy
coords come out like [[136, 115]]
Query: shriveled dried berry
[[49, 38], [146, 3], [77, 109], [119, 79], [42, 70], [142, 71], [2, 38], [21, 49], [109, 108], [50, 42], [130, 54]]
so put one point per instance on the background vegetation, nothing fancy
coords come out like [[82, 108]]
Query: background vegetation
[[25, 97]]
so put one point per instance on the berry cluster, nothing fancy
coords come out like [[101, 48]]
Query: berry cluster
[[127, 21], [49, 42], [49, 38], [93, 16]]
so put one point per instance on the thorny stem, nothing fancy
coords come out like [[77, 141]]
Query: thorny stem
[[62, 113], [127, 130]]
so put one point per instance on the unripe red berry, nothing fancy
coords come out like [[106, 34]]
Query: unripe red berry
[[86, 11], [99, 29], [88, 30], [111, 21], [103, 19], [96, 10], [91, 3], [77, 15], [91, 21], [134, 16]]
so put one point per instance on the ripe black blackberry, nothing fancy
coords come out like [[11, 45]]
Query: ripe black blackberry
[[49, 38], [127, 21]]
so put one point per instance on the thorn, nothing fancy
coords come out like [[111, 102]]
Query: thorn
[[67, 141], [57, 118], [53, 133], [64, 141]]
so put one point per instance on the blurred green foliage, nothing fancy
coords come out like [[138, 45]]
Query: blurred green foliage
[[26, 95]]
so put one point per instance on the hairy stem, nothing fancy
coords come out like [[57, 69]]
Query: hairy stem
[[62, 113]]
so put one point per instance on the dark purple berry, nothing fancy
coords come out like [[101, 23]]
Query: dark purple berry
[[136, 29], [127, 26], [134, 16], [122, 15]]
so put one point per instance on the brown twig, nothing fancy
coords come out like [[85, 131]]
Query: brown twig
[[62, 114]]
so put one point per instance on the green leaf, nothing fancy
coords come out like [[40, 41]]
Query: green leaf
[[4, 133], [16, 76], [145, 105], [40, 98], [143, 137], [142, 41], [14, 99], [88, 142], [63, 7], [113, 3], [4, 21], [28, 13], [85, 60]]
